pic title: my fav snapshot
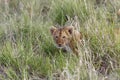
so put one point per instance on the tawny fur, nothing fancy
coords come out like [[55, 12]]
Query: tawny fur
[[118, 13], [67, 38]]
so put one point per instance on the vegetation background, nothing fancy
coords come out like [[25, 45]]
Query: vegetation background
[[27, 51]]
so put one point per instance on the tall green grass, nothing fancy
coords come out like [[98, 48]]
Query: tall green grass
[[27, 50]]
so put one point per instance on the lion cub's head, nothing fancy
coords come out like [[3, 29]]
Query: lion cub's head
[[62, 36]]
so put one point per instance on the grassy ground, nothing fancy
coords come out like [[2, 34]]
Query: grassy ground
[[27, 51]]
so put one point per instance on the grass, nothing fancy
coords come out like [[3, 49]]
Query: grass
[[27, 50]]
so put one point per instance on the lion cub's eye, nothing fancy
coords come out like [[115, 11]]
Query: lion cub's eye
[[63, 37], [56, 36]]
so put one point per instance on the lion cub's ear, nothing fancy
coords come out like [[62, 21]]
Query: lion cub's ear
[[53, 29], [70, 29]]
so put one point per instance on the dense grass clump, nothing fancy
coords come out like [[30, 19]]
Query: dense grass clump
[[27, 50], [61, 9]]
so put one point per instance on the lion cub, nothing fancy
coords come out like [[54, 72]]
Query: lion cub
[[67, 38]]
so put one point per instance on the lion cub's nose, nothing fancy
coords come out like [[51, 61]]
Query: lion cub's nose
[[59, 45]]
